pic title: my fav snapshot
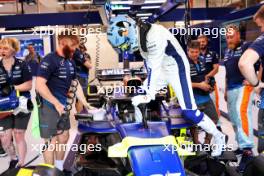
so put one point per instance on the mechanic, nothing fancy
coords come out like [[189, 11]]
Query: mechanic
[[83, 63], [239, 95], [56, 75], [33, 59], [15, 75], [166, 63], [211, 60], [201, 88], [246, 65], [2, 151]]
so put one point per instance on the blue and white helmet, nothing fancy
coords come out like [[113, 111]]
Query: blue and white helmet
[[117, 26]]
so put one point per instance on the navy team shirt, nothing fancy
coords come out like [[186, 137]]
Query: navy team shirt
[[20, 73], [198, 72], [258, 46], [59, 73], [209, 58], [231, 58]]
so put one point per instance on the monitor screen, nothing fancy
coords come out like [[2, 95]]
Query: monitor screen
[[42, 44]]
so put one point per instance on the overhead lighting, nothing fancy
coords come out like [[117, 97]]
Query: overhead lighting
[[144, 14], [1, 5], [146, 2], [150, 7], [121, 2], [155, 1], [121, 8], [75, 2]]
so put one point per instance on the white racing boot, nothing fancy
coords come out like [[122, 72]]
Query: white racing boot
[[219, 138]]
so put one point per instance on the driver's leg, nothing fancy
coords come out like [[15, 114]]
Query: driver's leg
[[180, 80]]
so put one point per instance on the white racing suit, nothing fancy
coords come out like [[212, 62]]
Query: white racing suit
[[166, 63]]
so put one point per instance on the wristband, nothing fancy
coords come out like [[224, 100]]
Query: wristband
[[256, 85]]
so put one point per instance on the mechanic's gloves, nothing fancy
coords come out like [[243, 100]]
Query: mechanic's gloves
[[140, 99]]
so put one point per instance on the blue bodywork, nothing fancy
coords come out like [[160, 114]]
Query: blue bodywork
[[97, 127], [10, 102], [148, 159], [154, 130], [153, 159]]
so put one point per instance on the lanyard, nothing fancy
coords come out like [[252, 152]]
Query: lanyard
[[198, 67]]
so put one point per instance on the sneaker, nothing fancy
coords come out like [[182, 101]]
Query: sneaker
[[220, 141], [247, 156], [12, 164], [2, 152]]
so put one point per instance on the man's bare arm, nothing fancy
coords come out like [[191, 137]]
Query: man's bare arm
[[246, 65]]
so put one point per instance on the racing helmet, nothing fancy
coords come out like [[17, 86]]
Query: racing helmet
[[117, 26]]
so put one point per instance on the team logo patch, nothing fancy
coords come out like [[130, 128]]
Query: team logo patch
[[259, 38], [62, 63], [44, 65], [17, 67]]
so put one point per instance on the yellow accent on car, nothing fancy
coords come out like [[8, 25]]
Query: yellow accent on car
[[121, 149], [17, 93], [25, 172], [47, 165]]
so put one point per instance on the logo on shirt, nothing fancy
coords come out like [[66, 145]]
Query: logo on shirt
[[62, 63], [17, 72], [259, 38], [44, 65]]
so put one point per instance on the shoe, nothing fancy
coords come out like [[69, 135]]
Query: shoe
[[247, 156], [219, 142], [12, 164], [219, 138], [238, 151], [2, 152]]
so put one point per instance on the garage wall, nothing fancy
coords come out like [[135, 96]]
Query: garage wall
[[108, 58]]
